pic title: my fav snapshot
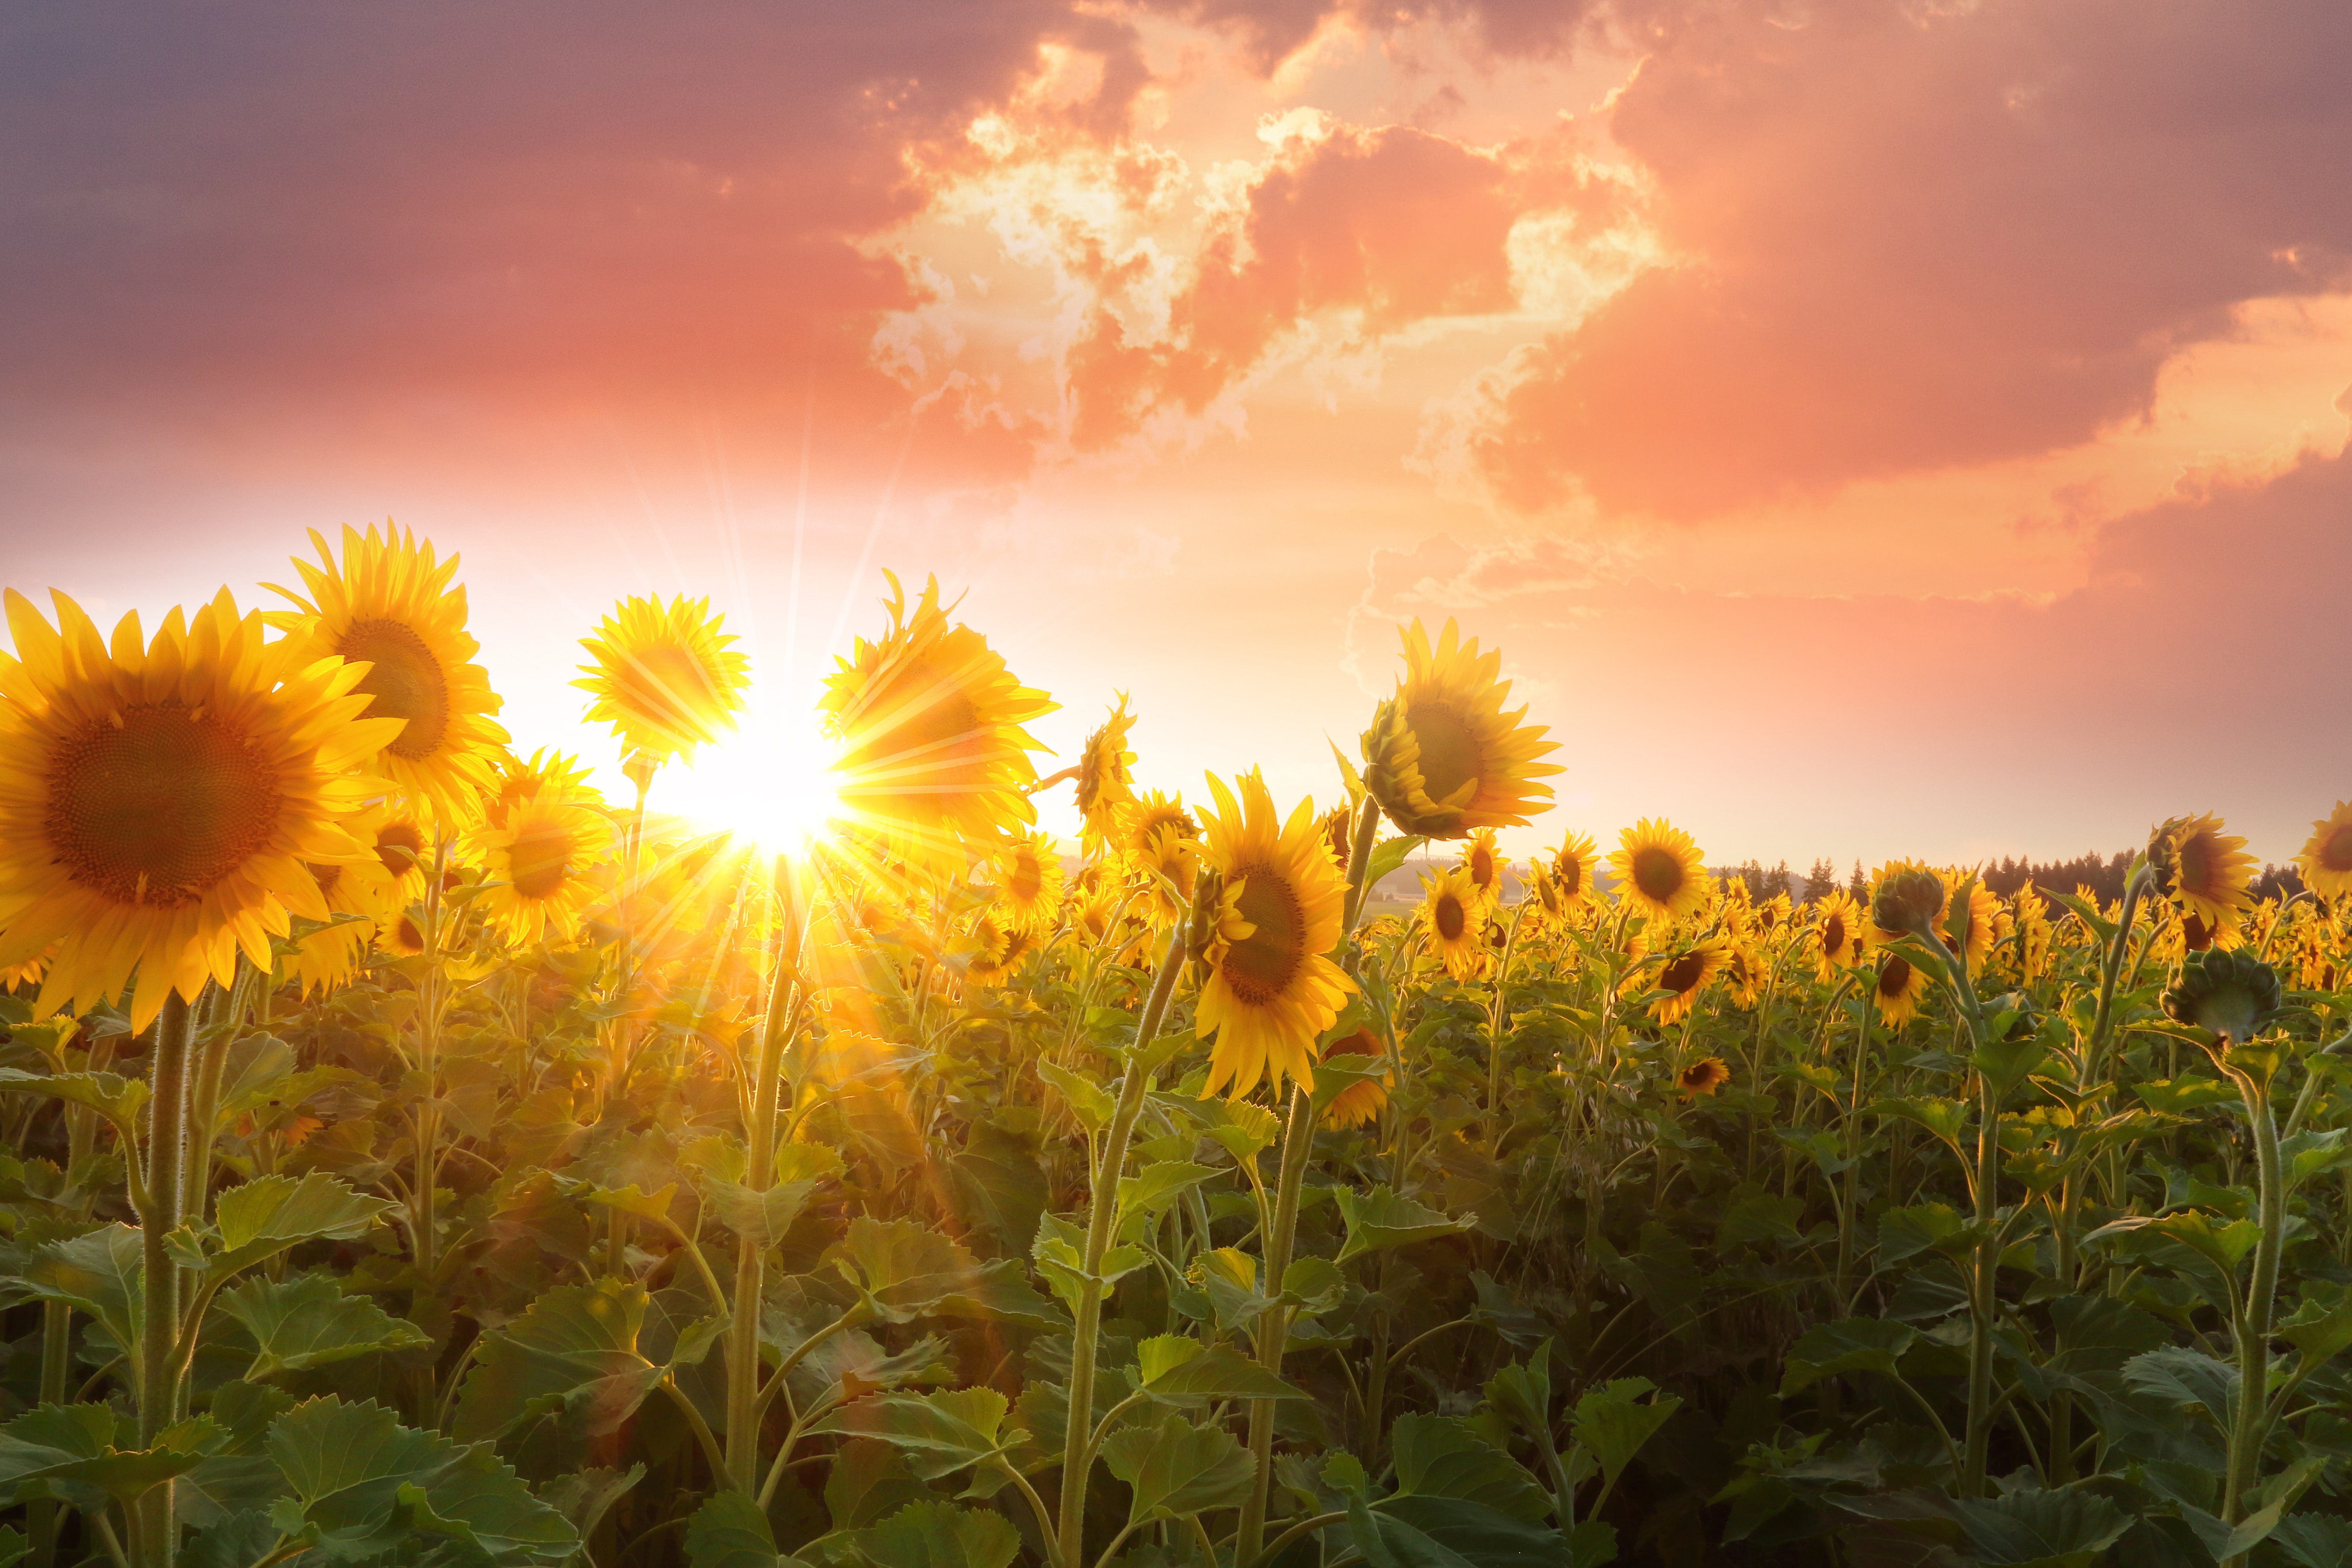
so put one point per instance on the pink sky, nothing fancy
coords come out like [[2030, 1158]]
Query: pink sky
[[1866, 429]]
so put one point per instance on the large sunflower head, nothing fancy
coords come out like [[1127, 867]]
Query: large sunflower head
[[1900, 988], [1453, 918], [1363, 1099], [1272, 987], [1659, 870], [1837, 934], [1106, 778], [1685, 974], [548, 775], [2203, 869], [1486, 865], [1442, 757], [2327, 859], [665, 677], [1028, 873], [162, 803], [545, 867], [933, 756], [392, 606]]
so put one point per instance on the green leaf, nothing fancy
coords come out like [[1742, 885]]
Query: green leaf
[[730, 1530], [1443, 1456], [1247, 1130], [635, 1200], [868, 1480], [573, 1354], [99, 1272], [2309, 1154], [1153, 1188], [1388, 857], [1942, 1117], [1447, 1532], [906, 1270], [1611, 1423], [1522, 1392], [1177, 1469], [1922, 1228], [940, 1535], [1088, 1099], [940, 1433], [1591, 1543], [1849, 1344], [585, 1496], [13, 1546], [1380, 1219], [116, 1097], [2318, 1330], [68, 1450], [2088, 913], [2182, 1376], [266, 1216], [363, 1484], [1171, 1370], [1060, 1255], [2041, 1529], [308, 1321], [761, 1219]]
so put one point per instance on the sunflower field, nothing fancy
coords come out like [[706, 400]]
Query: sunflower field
[[412, 1156]]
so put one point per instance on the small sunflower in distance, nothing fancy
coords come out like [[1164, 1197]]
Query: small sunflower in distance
[[1272, 988], [1028, 872], [1659, 870], [665, 677], [1704, 1076], [162, 803], [1899, 990], [1360, 1101], [2327, 859], [1571, 867], [1160, 838], [542, 867], [1451, 914], [1683, 977], [1837, 935], [2203, 869], [1486, 866], [1106, 778], [391, 605], [1744, 974], [1983, 919], [1442, 757], [548, 775], [2031, 934], [1338, 834], [934, 756]]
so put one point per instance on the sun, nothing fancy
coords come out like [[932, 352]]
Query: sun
[[771, 784]]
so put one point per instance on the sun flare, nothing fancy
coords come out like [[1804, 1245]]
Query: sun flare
[[770, 783]]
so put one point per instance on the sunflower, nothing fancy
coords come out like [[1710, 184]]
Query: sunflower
[[1364, 1099], [391, 607], [1704, 1076], [326, 959], [1028, 872], [28, 973], [2032, 935], [1485, 867], [541, 869], [400, 935], [403, 848], [1450, 914], [1683, 977], [2196, 936], [1659, 870], [1905, 888], [1572, 867], [1158, 838], [933, 754], [1272, 988], [2326, 860], [999, 963], [1899, 990], [1984, 914], [2200, 867], [160, 802], [1442, 757], [550, 776], [1542, 898], [1837, 935], [1106, 778], [1338, 834], [664, 677], [1744, 974]]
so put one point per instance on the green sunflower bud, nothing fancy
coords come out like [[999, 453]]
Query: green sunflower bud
[[2233, 995], [1909, 902]]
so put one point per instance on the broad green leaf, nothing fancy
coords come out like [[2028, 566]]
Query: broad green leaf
[[2041, 1529], [308, 1321], [635, 1200], [1177, 1469], [350, 1466], [940, 1535], [1059, 1252], [2318, 1330], [1153, 1188], [1447, 1532], [1440, 1457], [2088, 913], [730, 1530], [2175, 1097], [1591, 1543], [1613, 1421], [866, 1481], [1522, 1392], [1922, 1228], [585, 1496], [265, 1216], [940, 1433], [1388, 856], [1087, 1098], [761, 1219], [1209, 1371], [101, 1273], [1942, 1117], [237, 1539], [2315, 1540], [1849, 1344], [2005, 1063], [1380, 1219], [1334, 1076], [2309, 1154], [907, 1270], [573, 1353], [2180, 1375], [13, 1546], [68, 1450], [116, 1097]]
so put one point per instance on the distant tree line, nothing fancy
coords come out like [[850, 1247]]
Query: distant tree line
[[2103, 874]]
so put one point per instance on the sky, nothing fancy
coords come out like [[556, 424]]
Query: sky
[[1866, 429]]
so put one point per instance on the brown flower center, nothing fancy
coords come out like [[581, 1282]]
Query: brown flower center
[[1362, 1043], [1658, 872], [1449, 749], [159, 805], [1261, 965], [401, 847], [1683, 973], [1894, 977], [924, 739], [407, 682], [1833, 934], [670, 690], [538, 859], [2336, 850], [1482, 866], [2196, 852], [1569, 870], [1027, 879], [1449, 917]]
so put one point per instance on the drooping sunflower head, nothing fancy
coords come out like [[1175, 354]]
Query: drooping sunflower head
[[391, 605], [545, 867], [1028, 877], [1685, 974], [664, 677], [2327, 859], [1486, 866], [162, 803], [2203, 869], [1107, 777], [1452, 920], [1360, 1101], [1899, 990], [1837, 934], [1272, 987], [1907, 899], [1338, 834], [1704, 1076], [548, 775], [1572, 865], [933, 754], [1659, 870], [2232, 994], [1442, 757]]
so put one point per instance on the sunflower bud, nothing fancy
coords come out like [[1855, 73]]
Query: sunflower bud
[[1909, 902], [1200, 935], [2230, 993]]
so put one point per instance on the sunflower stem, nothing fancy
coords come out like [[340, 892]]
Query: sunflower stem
[[157, 1535], [750, 1260], [1273, 1322], [1101, 1222]]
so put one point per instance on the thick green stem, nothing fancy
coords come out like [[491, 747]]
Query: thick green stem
[[1102, 1217], [157, 1534], [57, 1367], [1983, 1300], [750, 1260], [2250, 1424], [2102, 1023], [1274, 1323]]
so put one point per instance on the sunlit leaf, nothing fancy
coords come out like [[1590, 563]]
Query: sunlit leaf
[[308, 1321]]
